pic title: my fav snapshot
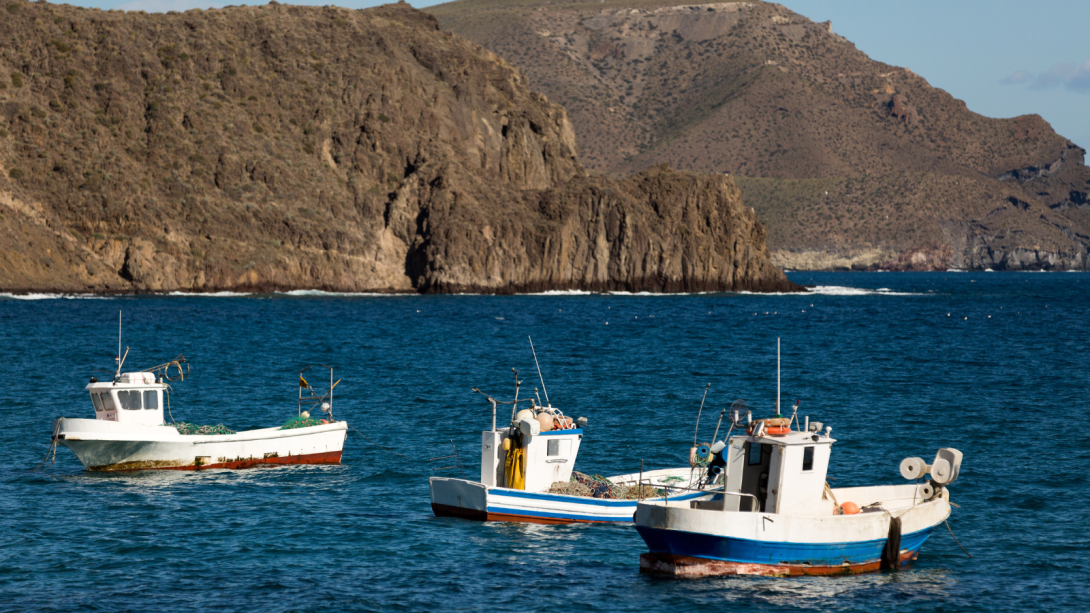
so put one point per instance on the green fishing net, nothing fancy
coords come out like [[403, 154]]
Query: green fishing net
[[187, 428], [300, 422]]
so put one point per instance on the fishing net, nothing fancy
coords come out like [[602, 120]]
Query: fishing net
[[600, 487], [187, 428], [300, 422]]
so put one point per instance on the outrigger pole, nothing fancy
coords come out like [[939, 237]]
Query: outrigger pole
[[777, 376], [539, 374]]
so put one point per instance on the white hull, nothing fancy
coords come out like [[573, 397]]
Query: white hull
[[110, 446], [473, 500], [697, 542]]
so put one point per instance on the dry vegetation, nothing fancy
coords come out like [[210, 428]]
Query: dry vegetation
[[789, 107]]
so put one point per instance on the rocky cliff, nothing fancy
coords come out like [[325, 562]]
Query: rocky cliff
[[283, 147], [851, 163]]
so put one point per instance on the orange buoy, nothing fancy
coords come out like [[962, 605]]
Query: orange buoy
[[774, 426], [849, 508]]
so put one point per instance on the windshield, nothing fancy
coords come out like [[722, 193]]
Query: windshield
[[129, 399]]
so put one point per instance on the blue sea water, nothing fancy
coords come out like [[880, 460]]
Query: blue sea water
[[899, 364]]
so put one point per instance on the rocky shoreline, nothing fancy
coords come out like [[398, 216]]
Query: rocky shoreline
[[286, 147]]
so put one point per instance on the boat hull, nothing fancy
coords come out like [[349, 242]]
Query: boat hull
[[700, 555], [107, 447], [689, 541], [472, 500]]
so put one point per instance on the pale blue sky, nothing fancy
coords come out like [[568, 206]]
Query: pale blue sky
[[1003, 57]]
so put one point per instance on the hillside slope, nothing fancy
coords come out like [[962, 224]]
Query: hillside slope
[[848, 161], [283, 147]]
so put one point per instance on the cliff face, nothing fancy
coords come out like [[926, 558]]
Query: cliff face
[[281, 147], [851, 163]]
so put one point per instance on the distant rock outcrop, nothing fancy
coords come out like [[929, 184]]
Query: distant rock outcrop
[[850, 163], [284, 147]]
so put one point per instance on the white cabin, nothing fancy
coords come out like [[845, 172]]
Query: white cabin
[[550, 456], [785, 474], [135, 398]]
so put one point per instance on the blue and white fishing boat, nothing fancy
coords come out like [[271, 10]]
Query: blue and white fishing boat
[[526, 469], [778, 515]]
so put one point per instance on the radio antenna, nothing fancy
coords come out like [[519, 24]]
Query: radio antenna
[[697, 430], [120, 359], [539, 372], [777, 376]]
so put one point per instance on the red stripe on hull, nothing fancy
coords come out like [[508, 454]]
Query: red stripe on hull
[[685, 566], [528, 519], [328, 457]]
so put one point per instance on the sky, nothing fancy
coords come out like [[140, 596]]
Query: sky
[[1004, 58]]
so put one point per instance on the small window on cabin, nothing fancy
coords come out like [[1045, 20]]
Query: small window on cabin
[[107, 401], [554, 447], [98, 403], [129, 400], [754, 454], [807, 459], [151, 399]]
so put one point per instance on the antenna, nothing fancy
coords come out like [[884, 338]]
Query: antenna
[[120, 359], [515, 404], [777, 376], [539, 373], [697, 430]]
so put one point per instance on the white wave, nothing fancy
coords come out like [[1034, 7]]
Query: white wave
[[838, 290], [319, 292], [560, 292], [52, 296], [211, 294], [954, 270]]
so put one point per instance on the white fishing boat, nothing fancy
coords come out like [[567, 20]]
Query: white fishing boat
[[129, 431], [778, 515], [527, 475]]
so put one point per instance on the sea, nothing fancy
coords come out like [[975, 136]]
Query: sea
[[898, 364]]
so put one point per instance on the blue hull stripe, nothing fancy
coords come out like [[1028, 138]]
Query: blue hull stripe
[[619, 510], [729, 549], [561, 515], [598, 502]]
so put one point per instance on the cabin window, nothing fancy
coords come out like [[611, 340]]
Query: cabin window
[[129, 400], [98, 403], [151, 399], [561, 448], [107, 401], [807, 459], [754, 454]]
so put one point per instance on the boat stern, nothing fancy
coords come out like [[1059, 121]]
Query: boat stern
[[458, 498]]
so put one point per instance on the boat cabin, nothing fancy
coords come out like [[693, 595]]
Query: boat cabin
[[778, 474], [135, 398], [549, 456]]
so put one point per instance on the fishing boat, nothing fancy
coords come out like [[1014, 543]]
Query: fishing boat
[[527, 471], [129, 431], [777, 514]]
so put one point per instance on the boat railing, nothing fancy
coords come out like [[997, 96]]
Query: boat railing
[[678, 488]]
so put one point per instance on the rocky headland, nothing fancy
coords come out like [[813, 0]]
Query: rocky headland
[[284, 147], [849, 162]]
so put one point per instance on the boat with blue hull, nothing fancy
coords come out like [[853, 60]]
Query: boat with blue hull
[[777, 514], [527, 475]]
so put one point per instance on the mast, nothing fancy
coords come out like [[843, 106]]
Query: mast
[[777, 376]]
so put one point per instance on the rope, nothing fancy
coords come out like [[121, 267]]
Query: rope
[[52, 448], [955, 538], [376, 444]]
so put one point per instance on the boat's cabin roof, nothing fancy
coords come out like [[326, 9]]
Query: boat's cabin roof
[[791, 438]]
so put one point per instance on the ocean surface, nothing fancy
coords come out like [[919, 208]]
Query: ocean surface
[[899, 364]]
